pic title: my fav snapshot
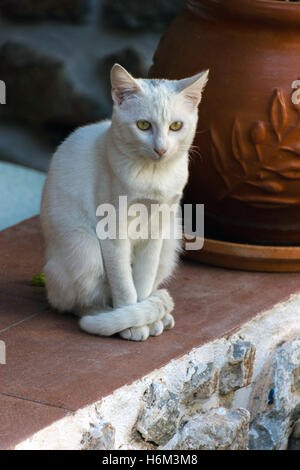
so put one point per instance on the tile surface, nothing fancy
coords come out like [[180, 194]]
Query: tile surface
[[14, 309], [21, 418], [53, 368]]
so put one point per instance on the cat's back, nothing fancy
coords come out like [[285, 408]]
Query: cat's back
[[80, 145], [77, 155], [73, 170]]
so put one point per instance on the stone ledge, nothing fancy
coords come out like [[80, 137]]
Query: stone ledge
[[152, 412], [63, 389]]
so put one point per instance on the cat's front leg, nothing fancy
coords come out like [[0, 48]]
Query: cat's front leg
[[117, 263], [145, 267], [144, 271], [167, 263]]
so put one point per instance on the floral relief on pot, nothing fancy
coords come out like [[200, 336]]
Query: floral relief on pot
[[267, 157]]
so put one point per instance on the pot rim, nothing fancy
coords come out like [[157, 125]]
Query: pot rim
[[266, 11]]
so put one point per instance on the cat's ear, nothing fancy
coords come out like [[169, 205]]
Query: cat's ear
[[122, 84], [192, 87]]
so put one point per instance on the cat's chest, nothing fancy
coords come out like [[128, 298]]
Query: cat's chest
[[155, 200], [162, 185], [150, 219], [155, 193]]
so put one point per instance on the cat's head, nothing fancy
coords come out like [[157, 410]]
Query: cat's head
[[156, 119]]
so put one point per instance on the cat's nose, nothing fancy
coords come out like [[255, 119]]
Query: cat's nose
[[160, 151]]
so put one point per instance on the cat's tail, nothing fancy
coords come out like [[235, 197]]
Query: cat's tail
[[148, 311]]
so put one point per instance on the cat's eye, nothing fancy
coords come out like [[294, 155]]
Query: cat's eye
[[176, 125], [143, 125]]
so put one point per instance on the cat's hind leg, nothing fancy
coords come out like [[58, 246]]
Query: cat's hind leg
[[74, 273]]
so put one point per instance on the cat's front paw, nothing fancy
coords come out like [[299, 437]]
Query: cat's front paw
[[140, 333], [156, 328], [168, 321], [166, 300]]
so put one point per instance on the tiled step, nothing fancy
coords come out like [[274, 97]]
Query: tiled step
[[53, 369]]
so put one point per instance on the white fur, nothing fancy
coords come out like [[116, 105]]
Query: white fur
[[113, 284]]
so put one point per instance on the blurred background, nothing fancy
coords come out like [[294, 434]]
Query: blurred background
[[55, 59]]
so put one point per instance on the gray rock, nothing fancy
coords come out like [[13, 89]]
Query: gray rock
[[67, 10], [294, 440], [129, 57], [24, 147], [137, 15], [201, 383], [100, 436], [218, 429], [38, 91], [279, 405], [237, 370], [2, 92], [158, 420]]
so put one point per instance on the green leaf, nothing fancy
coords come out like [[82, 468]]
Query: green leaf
[[38, 280]]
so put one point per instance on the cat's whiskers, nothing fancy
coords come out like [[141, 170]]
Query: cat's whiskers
[[192, 150]]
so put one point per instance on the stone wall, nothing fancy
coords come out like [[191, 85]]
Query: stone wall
[[55, 58], [186, 419], [240, 392]]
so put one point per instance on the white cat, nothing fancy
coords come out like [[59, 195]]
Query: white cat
[[142, 153]]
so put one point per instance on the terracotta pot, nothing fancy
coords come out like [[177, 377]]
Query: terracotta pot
[[248, 174]]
